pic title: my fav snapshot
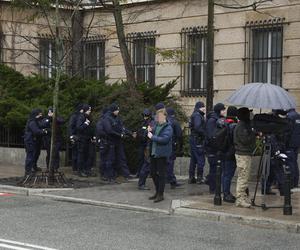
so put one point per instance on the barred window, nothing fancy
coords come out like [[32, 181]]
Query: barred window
[[142, 47], [94, 59], [47, 57], [265, 50], [194, 66]]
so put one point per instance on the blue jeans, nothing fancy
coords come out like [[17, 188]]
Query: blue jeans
[[197, 158], [229, 168], [144, 172]]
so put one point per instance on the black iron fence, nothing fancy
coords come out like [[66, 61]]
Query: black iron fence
[[11, 137]]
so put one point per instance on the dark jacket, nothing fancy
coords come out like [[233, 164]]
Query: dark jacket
[[33, 130], [82, 128], [231, 124], [293, 134], [114, 128], [197, 124], [72, 123], [244, 139], [211, 126], [177, 138], [142, 132], [162, 142]]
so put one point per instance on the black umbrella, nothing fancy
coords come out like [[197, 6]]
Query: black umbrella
[[262, 96]]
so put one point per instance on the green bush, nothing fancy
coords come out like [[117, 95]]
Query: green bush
[[19, 95]]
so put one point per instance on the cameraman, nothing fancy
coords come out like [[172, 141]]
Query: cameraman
[[244, 142]]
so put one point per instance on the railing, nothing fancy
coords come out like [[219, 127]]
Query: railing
[[11, 137]]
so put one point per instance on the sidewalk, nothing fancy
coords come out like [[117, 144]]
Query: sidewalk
[[190, 200]]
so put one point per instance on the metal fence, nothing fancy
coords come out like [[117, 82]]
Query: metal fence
[[11, 137]]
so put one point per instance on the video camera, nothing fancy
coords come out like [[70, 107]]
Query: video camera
[[270, 124]]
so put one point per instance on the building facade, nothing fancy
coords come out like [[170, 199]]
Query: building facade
[[167, 40]]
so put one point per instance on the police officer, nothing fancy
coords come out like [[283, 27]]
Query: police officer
[[293, 145], [73, 137], [177, 146], [115, 130], [144, 148], [47, 124], [102, 143], [33, 140], [212, 153], [197, 138], [229, 165], [83, 133]]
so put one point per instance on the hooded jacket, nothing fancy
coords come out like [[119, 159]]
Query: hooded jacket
[[33, 129]]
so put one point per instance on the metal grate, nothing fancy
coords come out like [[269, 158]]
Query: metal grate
[[264, 40], [194, 61], [94, 58], [142, 50]]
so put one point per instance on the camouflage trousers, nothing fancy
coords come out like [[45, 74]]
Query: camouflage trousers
[[243, 163]]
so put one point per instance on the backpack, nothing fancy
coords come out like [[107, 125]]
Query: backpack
[[221, 137]]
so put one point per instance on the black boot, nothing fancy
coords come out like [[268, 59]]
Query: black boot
[[159, 198], [153, 197], [229, 198], [192, 180]]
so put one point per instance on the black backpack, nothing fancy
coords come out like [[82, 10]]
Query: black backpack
[[221, 138]]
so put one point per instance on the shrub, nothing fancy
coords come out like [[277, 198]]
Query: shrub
[[19, 95]]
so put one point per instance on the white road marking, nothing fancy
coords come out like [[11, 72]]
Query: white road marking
[[6, 246], [10, 244]]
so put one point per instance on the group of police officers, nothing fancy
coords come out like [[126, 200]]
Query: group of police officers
[[213, 136]]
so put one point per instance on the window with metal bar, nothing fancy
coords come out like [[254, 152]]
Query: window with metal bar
[[194, 43], [47, 57], [265, 50], [94, 59], [142, 49]]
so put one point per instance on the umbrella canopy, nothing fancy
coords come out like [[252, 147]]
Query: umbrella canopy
[[262, 96]]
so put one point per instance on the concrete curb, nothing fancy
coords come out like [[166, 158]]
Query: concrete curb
[[239, 219], [102, 203], [29, 191]]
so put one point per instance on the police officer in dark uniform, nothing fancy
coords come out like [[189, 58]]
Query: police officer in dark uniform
[[83, 134], [47, 124], [72, 136], [293, 145], [144, 148], [197, 138], [177, 147], [33, 140], [212, 153], [115, 131], [102, 143]]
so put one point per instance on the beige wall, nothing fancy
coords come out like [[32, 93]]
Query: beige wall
[[167, 18]]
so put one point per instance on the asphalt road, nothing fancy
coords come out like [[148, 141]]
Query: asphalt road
[[48, 225]]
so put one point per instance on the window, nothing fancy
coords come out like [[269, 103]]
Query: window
[[94, 59], [47, 58], [194, 43], [265, 45], [143, 56]]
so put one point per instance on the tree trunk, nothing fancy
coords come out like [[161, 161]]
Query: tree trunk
[[130, 76], [58, 64], [210, 56]]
